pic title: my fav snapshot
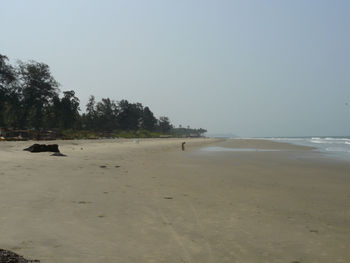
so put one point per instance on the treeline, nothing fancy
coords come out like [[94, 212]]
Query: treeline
[[30, 99], [187, 132]]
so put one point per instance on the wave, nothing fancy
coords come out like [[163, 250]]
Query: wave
[[339, 146], [317, 141]]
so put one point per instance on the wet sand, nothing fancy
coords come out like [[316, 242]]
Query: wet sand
[[121, 201]]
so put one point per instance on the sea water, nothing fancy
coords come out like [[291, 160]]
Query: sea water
[[225, 149], [338, 147]]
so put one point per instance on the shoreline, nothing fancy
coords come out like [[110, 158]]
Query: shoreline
[[122, 201]]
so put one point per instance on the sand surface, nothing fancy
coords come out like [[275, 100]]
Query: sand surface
[[122, 201]]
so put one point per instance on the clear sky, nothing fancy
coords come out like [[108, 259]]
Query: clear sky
[[251, 68]]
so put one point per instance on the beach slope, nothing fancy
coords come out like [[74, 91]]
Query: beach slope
[[149, 201]]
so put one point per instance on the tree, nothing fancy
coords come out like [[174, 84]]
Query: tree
[[149, 122], [164, 124], [29, 98], [7, 73], [38, 88], [106, 113], [7, 90], [53, 114], [69, 110], [201, 131], [130, 114], [90, 116]]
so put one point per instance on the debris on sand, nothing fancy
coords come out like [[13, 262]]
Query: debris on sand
[[57, 154], [37, 148], [7, 256]]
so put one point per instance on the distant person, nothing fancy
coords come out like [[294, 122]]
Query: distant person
[[183, 146]]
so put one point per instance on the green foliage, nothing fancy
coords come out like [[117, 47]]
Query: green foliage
[[69, 109], [79, 134], [7, 73], [149, 122], [30, 99], [125, 134], [90, 117], [130, 115], [137, 134], [71, 134], [7, 78], [37, 87], [164, 124], [187, 132], [106, 113]]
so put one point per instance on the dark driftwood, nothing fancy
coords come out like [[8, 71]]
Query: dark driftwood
[[7, 256], [37, 148]]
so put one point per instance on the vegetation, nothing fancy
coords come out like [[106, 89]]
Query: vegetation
[[187, 132], [30, 100]]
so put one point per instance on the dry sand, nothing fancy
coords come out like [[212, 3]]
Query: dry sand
[[121, 201]]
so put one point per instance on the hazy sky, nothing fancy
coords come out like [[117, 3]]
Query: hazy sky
[[253, 68]]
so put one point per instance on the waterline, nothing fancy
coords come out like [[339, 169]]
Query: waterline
[[225, 149], [332, 146]]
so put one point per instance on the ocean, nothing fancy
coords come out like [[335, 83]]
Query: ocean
[[337, 147]]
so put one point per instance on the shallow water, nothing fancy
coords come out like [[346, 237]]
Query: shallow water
[[225, 149], [332, 146]]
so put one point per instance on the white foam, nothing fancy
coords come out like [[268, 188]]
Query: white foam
[[317, 141], [338, 146]]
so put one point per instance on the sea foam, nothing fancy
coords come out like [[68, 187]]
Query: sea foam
[[338, 146]]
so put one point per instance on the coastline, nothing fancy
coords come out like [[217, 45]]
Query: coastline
[[123, 201]]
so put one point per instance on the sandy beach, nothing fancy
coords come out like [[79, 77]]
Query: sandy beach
[[148, 201]]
